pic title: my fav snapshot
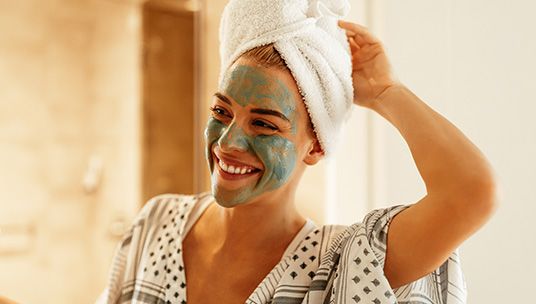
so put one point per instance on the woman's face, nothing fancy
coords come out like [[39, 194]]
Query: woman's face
[[257, 136]]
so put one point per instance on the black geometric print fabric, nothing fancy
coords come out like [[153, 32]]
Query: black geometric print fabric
[[328, 264]]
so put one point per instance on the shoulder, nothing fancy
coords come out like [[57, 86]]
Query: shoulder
[[161, 213], [378, 220], [158, 224], [164, 206], [370, 233], [162, 217], [374, 222]]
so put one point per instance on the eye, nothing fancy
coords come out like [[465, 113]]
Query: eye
[[264, 125], [219, 113]]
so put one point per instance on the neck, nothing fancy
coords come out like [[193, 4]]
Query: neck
[[255, 225]]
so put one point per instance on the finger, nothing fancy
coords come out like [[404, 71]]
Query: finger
[[357, 39], [353, 27], [356, 30], [360, 41], [354, 48]]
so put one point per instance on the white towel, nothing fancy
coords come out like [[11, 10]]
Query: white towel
[[315, 49]]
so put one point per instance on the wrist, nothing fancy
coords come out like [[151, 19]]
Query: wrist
[[386, 98]]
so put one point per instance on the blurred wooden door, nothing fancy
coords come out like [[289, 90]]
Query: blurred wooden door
[[168, 111]]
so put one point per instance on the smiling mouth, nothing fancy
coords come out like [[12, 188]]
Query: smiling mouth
[[236, 170]]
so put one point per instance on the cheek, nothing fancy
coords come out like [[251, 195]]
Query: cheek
[[278, 155], [213, 132]]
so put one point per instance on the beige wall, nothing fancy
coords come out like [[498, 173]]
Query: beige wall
[[69, 77], [474, 62]]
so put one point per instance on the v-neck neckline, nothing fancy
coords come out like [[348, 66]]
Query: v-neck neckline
[[198, 211]]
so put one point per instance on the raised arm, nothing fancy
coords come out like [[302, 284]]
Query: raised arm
[[460, 183]]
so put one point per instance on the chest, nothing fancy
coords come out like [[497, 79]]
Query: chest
[[223, 279]]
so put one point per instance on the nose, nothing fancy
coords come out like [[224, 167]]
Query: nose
[[233, 138]]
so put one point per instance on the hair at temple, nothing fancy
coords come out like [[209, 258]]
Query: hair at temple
[[266, 55]]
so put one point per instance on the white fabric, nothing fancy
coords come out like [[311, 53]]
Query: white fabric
[[314, 48], [328, 264]]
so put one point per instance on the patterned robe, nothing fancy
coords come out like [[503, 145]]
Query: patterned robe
[[328, 264]]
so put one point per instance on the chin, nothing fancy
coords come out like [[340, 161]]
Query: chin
[[228, 200]]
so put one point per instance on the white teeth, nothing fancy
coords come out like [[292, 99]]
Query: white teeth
[[223, 166], [234, 170]]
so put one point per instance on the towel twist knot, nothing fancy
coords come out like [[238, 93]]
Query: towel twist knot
[[322, 8]]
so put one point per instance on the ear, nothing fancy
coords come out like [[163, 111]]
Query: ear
[[314, 154]]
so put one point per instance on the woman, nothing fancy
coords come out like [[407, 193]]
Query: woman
[[246, 242]]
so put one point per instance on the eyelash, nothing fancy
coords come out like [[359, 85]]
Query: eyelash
[[262, 124], [218, 113]]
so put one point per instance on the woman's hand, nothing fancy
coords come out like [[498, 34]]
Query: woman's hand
[[372, 73]]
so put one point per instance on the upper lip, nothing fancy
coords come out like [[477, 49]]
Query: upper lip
[[233, 162]]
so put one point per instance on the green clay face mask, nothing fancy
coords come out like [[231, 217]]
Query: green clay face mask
[[251, 86]]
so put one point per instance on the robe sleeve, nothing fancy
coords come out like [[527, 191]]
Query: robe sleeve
[[112, 291], [444, 285], [127, 255]]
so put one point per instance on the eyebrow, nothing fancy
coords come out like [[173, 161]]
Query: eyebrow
[[270, 112], [256, 110], [222, 98]]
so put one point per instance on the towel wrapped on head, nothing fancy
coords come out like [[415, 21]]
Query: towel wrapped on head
[[314, 48]]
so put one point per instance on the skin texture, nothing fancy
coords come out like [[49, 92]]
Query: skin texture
[[252, 87]]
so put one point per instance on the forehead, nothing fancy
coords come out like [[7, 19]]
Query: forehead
[[261, 87]]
